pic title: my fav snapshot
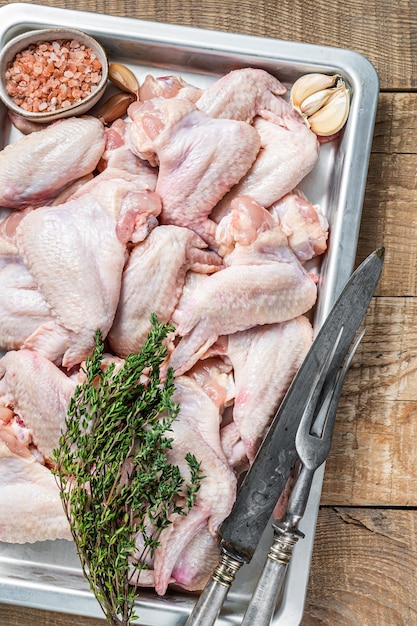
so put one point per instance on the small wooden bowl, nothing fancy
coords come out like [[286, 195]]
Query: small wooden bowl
[[21, 42]]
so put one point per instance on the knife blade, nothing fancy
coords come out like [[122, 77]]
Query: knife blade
[[263, 484]]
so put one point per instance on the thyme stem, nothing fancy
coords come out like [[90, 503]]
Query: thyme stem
[[112, 470]]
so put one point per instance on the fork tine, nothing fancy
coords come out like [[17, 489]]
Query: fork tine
[[327, 431], [316, 392], [313, 440]]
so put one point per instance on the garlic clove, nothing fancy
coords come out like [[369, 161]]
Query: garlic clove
[[123, 78], [309, 84], [333, 115], [116, 106], [316, 101]]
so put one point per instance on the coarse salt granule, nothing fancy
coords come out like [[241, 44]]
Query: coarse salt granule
[[52, 75]]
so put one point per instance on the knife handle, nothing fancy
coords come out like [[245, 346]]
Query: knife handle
[[262, 604], [210, 602]]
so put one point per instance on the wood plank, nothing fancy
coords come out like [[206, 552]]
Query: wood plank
[[372, 28], [388, 218], [373, 458], [17, 616], [363, 569], [387, 353]]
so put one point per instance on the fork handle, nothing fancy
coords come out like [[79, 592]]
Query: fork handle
[[211, 600], [262, 604]]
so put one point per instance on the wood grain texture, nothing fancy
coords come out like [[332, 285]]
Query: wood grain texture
[[388, 217], [363, 571], [23, 616], [382, 31], [373, 460]]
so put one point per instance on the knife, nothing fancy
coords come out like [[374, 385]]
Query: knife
[[259, 492]]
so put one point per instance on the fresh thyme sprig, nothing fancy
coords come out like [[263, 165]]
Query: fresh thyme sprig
[[112, 469]]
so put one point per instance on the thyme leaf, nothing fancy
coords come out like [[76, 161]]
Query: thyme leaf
[[112, 470]]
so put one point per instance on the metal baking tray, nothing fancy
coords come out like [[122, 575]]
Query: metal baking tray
[[47, 575]]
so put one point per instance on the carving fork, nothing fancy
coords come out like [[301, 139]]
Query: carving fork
[[313, 443]]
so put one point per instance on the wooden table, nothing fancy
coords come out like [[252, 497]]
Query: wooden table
[[365, 556]]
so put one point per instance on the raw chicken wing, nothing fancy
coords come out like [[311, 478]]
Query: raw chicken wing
[[214, 499], [243, 94], [38, 393], [304, 224], [76, 253], [199, 158], [22, 307], [288, 153], [31, 509], [263, 283], [37, 166], [153, 280], [276, 350]]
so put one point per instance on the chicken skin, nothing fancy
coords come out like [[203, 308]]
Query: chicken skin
[[278, 351], [79, 270], [288, 153], [243, 94], [194, 153], [31, 509], [153, 280], [263, 283], [39, 165], [38, 392], [22, 307]]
